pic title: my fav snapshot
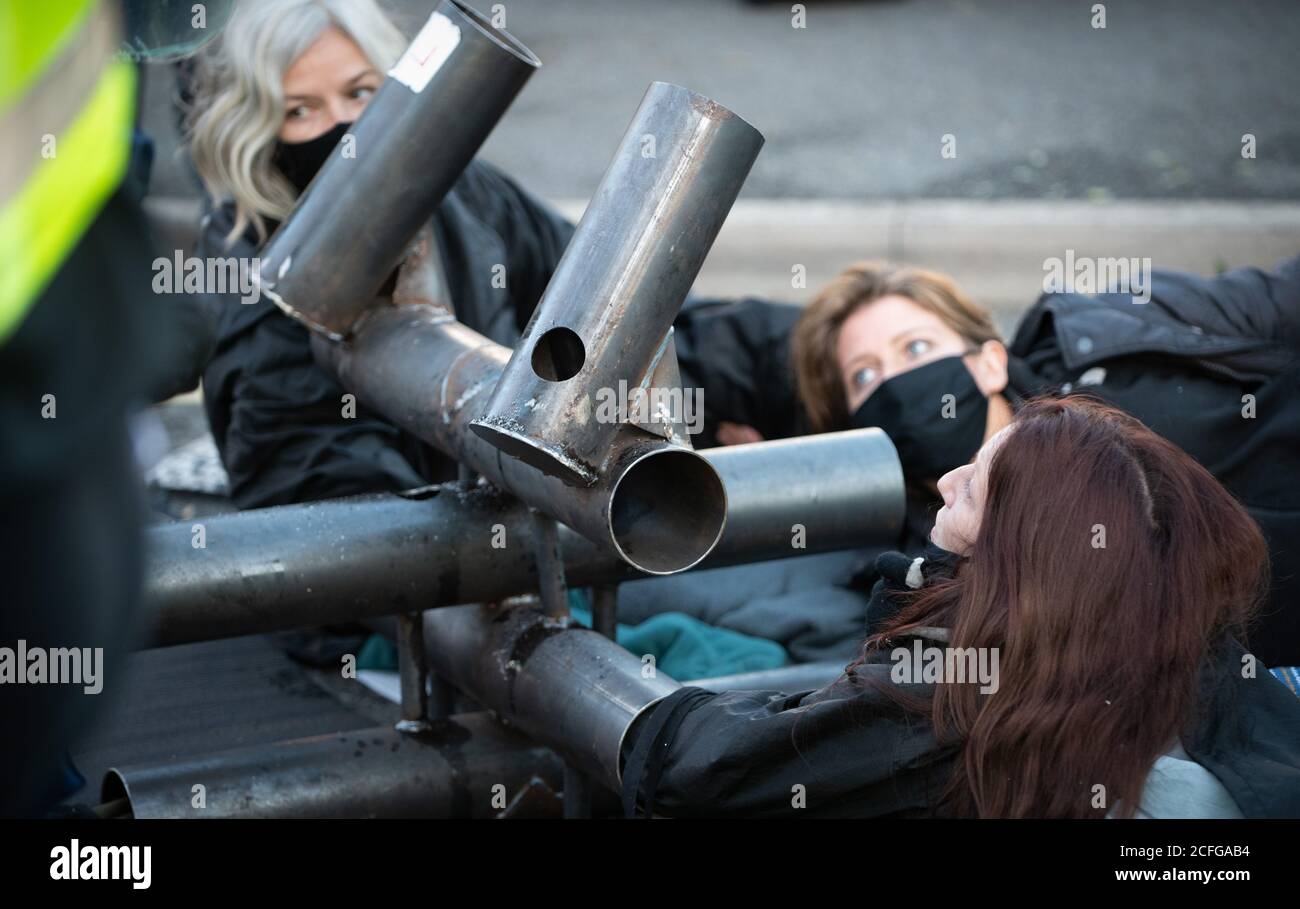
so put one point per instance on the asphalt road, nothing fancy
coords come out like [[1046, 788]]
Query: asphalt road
[[856, 105]]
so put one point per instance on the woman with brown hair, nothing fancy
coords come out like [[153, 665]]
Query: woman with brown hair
[[1212, 365], [1103, 577]]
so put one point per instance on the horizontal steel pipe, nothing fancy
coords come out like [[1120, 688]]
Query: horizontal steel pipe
[[661, 507], [345, 559], [796, 490], [601, 325], [570, 688], [349, 230], [325, 562], [366, 773], [787, 679]]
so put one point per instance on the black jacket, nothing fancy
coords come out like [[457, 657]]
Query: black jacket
[[849, 750], [278, 418], [738, 352], [1243, 325]]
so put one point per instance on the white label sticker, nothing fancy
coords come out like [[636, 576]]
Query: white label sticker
[[427, 53]]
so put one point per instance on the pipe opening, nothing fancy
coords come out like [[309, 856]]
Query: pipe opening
[[667, 511], [498, 35], [113, 791], [559, 355]]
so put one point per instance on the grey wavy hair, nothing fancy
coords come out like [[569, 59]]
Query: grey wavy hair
[[239, 105]]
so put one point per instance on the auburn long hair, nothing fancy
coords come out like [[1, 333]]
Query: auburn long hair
[[1107, 564]]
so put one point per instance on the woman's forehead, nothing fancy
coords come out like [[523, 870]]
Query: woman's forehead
[[990, 448], [331, 57]]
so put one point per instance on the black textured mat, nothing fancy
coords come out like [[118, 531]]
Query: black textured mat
[[198, 698]]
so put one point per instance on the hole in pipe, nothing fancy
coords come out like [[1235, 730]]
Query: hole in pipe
[[558, 355], [667, 511]]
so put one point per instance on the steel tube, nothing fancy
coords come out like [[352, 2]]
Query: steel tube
[[568, 687], [797, 490], [601, 325], [604, 610], [421, 129], [787, 679], [414, 672], [335, 561], [661, 507], [447, 772]]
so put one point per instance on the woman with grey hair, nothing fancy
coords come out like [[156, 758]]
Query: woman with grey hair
[[273, 97]]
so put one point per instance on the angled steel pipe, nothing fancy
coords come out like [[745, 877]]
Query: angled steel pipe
[[345, 559], [604, 321], [570, 688], [421, 129], [449, 771], [661, 507]]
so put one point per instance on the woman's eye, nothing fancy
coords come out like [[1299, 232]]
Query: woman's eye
[[297, 113], [864, 377], [359, 94], [917, 347]]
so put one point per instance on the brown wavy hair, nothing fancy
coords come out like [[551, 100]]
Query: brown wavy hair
[[1099, 646], [816, 335]]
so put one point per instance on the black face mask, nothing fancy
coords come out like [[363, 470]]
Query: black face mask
[[299, 161], [932, 432]]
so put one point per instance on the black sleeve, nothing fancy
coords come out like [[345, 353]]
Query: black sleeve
[[844, 751], [279, 420], [1243, 302], [534, 234], [738, 352], [184, 338]]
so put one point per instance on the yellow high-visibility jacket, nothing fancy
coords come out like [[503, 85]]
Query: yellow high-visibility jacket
[[66, 112]]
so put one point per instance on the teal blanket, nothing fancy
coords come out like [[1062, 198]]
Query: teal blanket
[[682, 646], [686, 648]]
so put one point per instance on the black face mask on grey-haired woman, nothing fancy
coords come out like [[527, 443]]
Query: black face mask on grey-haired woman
[[934, 433], [299, 161]]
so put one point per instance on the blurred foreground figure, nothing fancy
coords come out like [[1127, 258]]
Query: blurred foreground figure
[[73, 351]]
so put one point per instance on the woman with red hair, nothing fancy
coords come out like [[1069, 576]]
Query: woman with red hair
[[1092, 581]]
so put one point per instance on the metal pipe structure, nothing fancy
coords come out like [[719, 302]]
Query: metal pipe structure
[[324, 562], [655, 501], [788, 679], [349, 230], [568, 687], [603, 323], [661, 507], [448, 772]]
